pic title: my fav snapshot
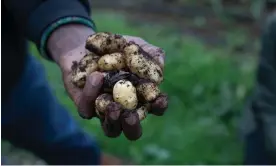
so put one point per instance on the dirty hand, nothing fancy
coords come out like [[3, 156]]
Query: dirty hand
[[114, 123]]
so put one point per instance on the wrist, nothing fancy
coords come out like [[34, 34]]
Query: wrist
[[65, 60], [67, 38]]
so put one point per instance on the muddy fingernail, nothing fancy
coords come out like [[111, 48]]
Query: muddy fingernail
[[112, 124], [160, 105], [131, 126], [161, 60]]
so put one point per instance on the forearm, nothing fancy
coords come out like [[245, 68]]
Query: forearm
[[33, 17], [38, 19], [66, 38]]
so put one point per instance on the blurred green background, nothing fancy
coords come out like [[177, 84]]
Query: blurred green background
[[211, 54]]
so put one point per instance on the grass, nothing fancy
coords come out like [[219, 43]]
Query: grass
[[207, 90]]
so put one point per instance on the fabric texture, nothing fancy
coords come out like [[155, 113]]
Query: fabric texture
[[261, 112], [67, 20], [33, 119], [27, 20]]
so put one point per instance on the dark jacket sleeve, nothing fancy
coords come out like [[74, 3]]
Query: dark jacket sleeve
[[264, 103], [33, 16]]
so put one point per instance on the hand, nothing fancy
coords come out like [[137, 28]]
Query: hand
[[113, 123], [83, 98], [66, 45], [129, 123]]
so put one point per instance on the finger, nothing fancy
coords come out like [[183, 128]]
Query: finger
[[112, 124], [73, 91], [135, 39], [131, 125], [155, 52], [159, 105], [89, 94]]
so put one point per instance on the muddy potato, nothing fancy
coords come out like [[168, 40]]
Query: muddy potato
[[89, 63], [125, 93], [141, 64], [148, 90], [102, 102], [131, 48], [114, 61], [142, 112], [105, 43], [81, 70], [79, 79], [94, 42]]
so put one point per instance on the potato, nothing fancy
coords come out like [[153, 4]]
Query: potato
[[125, 94], [81, 70], [89, 63], [141, 64], [142, 112], [79, 79], [148, 90], [114, 61], [105, 43], [102, 102], [94, 42]]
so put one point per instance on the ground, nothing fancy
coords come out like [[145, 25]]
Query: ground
[[207, 87]]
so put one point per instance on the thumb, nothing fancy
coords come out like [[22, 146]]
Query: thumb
[[90, 92]]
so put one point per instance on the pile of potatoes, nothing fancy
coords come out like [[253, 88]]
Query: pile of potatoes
[[131, 77]]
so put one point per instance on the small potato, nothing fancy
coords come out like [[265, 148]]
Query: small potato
[[89, 63], [94, 42], [86, 66], [114, 61], [141, 64], [125, 94], [142, 112], [102, 102], [148, 90], [79, 79], [105, 43], [131, 48]]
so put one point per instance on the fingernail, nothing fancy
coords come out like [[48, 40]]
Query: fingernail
[[131, 126], [160, 105], [161, 60]]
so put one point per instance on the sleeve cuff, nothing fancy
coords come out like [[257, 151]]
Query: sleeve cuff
[[53, 13], [66, 20]]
